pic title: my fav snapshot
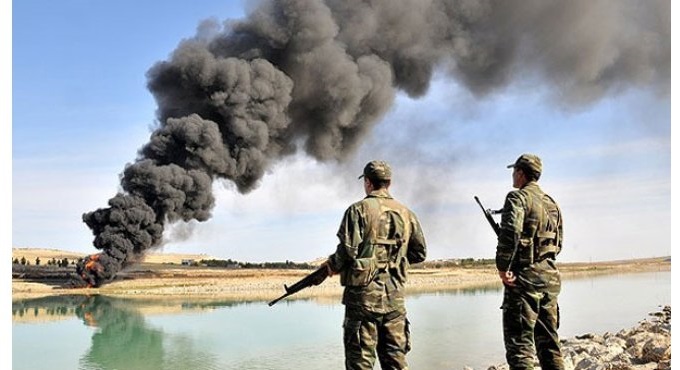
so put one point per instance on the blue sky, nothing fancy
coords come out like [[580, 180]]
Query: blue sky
[[80, 111]]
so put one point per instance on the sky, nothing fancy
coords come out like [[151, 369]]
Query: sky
[[81, 110]]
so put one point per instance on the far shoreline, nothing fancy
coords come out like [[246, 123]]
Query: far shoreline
[[171, 282]]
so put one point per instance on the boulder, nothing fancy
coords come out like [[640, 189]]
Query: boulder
[[647, 346]]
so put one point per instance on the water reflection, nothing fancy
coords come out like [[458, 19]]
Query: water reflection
[[151, 334], [122, 338], [468, 291], [45, 308], [451, 328]]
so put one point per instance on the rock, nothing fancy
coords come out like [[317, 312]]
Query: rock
[[647, 366], [499, 367], [622, 359], [589, 363], [585, 336], [647, 346], [664, 365], [615, 341], [657, 348]]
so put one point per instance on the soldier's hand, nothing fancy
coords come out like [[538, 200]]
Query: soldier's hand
[[328, 267], [508, 277]]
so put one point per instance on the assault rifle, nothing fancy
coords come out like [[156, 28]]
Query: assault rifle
[[315, 278], [497, 229], [487, 213]]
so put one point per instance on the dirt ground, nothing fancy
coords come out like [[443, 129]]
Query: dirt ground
[[156, 278]]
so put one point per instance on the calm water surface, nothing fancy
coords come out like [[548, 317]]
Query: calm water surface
[[449, 329]]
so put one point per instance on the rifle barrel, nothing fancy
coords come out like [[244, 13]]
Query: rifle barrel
[[489, 218], [315, 278], [278, 299]]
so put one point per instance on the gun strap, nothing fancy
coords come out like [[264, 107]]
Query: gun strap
[[390, 240]]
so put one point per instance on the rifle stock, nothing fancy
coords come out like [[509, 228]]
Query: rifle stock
[[315, 278]]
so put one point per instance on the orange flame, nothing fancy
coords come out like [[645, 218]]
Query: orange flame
[[92, 265], [89, 319]]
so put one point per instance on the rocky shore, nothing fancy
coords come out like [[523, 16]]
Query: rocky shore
[[646, 346]]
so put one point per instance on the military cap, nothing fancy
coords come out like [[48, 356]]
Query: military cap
[[529, 162], [377, 170]]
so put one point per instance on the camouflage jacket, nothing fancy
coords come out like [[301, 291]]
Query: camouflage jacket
[[379, 238], [532, 222]]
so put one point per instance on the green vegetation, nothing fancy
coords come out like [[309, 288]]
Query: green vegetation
[[229, 263], [461, 262], [232, 264], [471, 262], [250, 265], [53, 262]]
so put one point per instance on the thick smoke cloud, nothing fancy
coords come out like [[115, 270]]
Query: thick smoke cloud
[[318, 75]]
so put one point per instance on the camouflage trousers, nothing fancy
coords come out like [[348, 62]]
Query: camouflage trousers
[[530, 322], [366, 333]]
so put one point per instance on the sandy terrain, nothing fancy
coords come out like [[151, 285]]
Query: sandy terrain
[[155, 278]]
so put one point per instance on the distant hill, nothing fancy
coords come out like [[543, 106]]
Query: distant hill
[[47, 254]]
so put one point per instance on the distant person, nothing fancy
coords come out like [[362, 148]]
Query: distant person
[[379, 239], [529, 240]]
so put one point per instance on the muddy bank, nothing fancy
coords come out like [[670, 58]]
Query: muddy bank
[[647, 346]]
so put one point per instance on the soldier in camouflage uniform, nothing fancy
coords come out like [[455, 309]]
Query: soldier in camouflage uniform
[[529, 241], [379, 239]]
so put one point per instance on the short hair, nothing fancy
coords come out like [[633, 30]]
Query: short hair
[[530, 174], [379, 184]]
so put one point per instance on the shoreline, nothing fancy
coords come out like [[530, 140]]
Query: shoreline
[[645, 346], [155, 281]]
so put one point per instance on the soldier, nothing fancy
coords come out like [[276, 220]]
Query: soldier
[[379, 239], [529, 240]]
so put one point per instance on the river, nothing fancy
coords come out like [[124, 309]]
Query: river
[[450, 329]]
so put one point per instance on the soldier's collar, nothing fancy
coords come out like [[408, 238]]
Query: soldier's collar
[[530, 184], [380, 193]]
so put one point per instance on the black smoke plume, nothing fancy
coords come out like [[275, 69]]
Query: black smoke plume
[[318, 75]]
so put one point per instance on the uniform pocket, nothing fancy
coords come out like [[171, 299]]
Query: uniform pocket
[[512, 315], [352, 335], [526, 251], [362, 272]]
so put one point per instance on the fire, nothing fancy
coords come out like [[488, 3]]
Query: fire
[[89, 319], [92, 266]]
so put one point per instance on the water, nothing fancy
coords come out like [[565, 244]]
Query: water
[[449, 329]]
